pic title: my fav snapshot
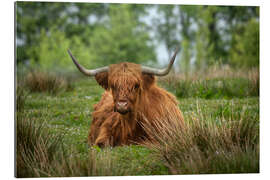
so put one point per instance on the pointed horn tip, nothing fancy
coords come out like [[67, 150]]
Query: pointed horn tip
[[68, 50], [177, 49], [72, 57]]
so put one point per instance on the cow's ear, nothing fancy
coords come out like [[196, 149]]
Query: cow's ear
[[148, 80], [102, 79]]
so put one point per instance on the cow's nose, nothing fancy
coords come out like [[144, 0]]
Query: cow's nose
[[122, 106], [122, 103]]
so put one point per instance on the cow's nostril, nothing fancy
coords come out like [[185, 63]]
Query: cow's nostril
[[122, 103]]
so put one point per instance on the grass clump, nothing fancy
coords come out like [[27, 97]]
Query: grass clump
[[39, 81], [35, 148], [209, 144], [21, 96]]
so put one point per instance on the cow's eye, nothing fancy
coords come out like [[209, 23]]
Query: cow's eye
[[137, 86]]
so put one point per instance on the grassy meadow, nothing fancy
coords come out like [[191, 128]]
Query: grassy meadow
[[220, 107]]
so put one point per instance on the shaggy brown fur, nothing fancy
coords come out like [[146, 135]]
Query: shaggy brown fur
[[146, 102]]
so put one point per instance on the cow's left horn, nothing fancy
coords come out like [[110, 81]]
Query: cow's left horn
[[160, 72], [88, 72]]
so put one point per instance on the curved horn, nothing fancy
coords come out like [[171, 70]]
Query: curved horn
[[88, 72], [160, 72]]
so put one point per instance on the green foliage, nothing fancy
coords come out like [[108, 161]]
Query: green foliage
[[100, 34], [52, 52], [185, 56], [35, 18], [121, 39], [97, 34], [210, 34], [245, 52], [31, 18], [202, 42]]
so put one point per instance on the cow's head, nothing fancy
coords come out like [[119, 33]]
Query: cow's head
[[126, 81]]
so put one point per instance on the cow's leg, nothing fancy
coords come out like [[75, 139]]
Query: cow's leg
[[103, 140], [104, 137]]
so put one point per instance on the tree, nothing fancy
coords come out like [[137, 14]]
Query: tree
[[166, 25], [31, 18], [219, 29], [121, 39], [71, 18], [111, 32], [187, 16], [84, 18], [201, 41], [243, 27], [245, 52], [52, 51]]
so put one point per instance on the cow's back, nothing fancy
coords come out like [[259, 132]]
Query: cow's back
[[160, 105]]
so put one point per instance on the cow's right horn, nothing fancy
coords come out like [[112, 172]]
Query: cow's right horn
[[88, 72], [160, 72]]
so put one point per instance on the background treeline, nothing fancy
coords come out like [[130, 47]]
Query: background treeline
[[101, 34]]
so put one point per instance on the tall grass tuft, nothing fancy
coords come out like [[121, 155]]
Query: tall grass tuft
[[39, 81], [208, 144], [21, 96], [35, 148], [41, 154]]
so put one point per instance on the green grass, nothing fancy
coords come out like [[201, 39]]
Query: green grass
[[68, 113], [226, 84]]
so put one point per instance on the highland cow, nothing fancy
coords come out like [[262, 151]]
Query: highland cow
[[131, 98]]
